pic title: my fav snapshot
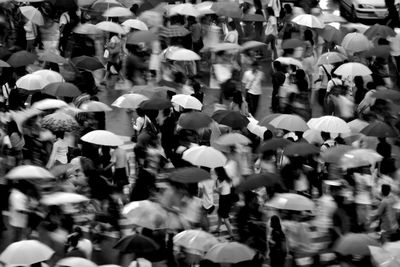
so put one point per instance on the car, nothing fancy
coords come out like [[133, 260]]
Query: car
[[363, 9]]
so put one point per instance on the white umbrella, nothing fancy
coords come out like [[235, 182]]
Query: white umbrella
[[109, 26], [257, 129], [308, 21], [75, 262], [204, 156], [229, 252], [102, 138], [95, 106], [313, 137], [290, 61], [291, 201], [330, 124], [86, 28], [31, 82], [26, 252], [352, 69], [48, 103], [232, 139], [29, 172], [32, 14], [117, 11], [331, 58], [252, 44], [135, 24], [49, 76], [329, 18], [60, 198], [187, 101], [129, 101], [204, 8], [356, 42], [185, 10], [197, 240], [182, 54], [358, 158], [357, 125]]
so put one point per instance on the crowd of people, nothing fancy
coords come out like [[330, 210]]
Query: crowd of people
[[207, 174]]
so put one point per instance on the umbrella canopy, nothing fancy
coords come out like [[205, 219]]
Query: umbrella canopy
[[329, 18], [194, 120], [267, 119], [31, 82], [308, 21], [135, 24], [357, 125], [138, 244], [233, 119], [379, 129], [187, 101], [183, 55], [117, 11], [29, 172], [61, 89], [388, 94], [229, 252], [227, 9], [173, 31], [352, 69], [382, 257], [313, 137], [49, 76], [87, 63], [204, 8], [292, 43], [21, 58], [290, 122], [258, 180], [48, 56], [290, 61], [379, 31], [33, 251], [4, 64], [102, 138], [59, 122], [274, 144], [331, 34], [196, 240], [155, 104], [382, 51], [189, 175], [253, 17], [300, 149], [152, 91], [46, 104], [103, 5], [184, 10], [257, 129], [94, 106], [129, 101], [141, 37], [291, 201], [252, 44], [61, 198], [109, 26], [87, 29], [75, 262], [334, 154], [232, 139], [356, 42], [359, 158], [204, 156], [331, 58], [32, 14], [330, 124], [355, 244], [222, 47]]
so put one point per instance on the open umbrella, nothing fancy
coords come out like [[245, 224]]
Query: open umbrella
[[185, 9], [329, 18], [380, 31], [146, 213], [47, 104], [173, 31], [331, 58], [308, 21], [32, 14], [33, 251], [252, 44], [292, 43], [117, 11], [86, 29], [300, 149], [357, 125], [253, 17], [87, 63], [256, 129], [229, 252], [183, 55], [152, 91], [313, 137], [21, 58], [356, 42], [49, 76], [331, 34], [379, 129], [355, 244], [274, 144], [155, 104], [189, 175], [267, 119], [141, 37], [204, 156], [387, 94], [4, 64], [129, 101], [187, 101], [330, 124], [196, 240], [233, 119], [61, 89], [291, 201], [48, 56], [59, 122], [382, 51], [256, 181], [194, 120], [109, 26], [138, 244], [102, 138], [352, 69], [222, 47], [75, 262], [334, 154], [232, 139], [359, 158], [29, 172], [61, 198], [290, 122], [204, 8], [290, 61], [103, 5], [95, 106], [227, 9], [31, 82], [135, 24]]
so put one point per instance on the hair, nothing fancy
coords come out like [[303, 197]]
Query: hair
[[385, 190], [232, 25], [270, 11], [276, 223], [237, 98], [12, 127], [59, 134], [288, 8], [359, 81], [267, 135], [325, 135], [277, 66], [221, 174], [88, 167], [308, 36], [140, 112]]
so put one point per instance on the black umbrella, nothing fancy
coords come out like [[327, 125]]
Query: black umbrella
[[274, 144], [138, 244], [21, 58], [189, 175], [258, 180], [233, 119], [87, 63], [300, 149], [379, 129], [155, 104], [194, 120]]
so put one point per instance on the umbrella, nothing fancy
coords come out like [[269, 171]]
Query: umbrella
[[194, 120], [379, 129], [102, 138], [182, 54], [204, 156], [355, 244], [291, 201], [329, 17], [292, 43], [29, 172], [33, 251], [232, 139], [359, 27], [86, 28], [135, 24], [75, 262], [32, 14], [155, 104], [382, 257], [331, 58], [95, 106], [274, 144], [229, 252], [222, 47], [334, 154], [152, 91], [117, 11], [187, 101], [31, 82], [357, 125], [48, 56], [292, 123], [330, 124], [290, 61], [387, 94], [359, 158], [103, 5], [4, 64], [184, 10], [256, 181], [61, 89], [138, 244], [308, 21], [59, 122], [129, 101], [196, 240], [356, 42], [233, 119], [379, 31], [352, 69], [21, 58], [267, 119], [141, 37], [227, 9], [257, 129], [173, 31], [313, 137], [189, 175], [146, 213], [87, 63], [49, 76], [253, 17], [252, 44], [300, 149], [204, 8], [109, 26], [82, 3], [61, 198], [64, 4], [46, 104], [331, 34], [382, 51]]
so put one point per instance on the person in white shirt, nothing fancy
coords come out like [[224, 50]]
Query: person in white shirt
[[252, 80], [232, 36], [59, 152], [18, 211], [207, 199], [271, 31]]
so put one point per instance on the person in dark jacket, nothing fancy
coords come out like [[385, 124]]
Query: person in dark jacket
[[277, 243], [278, 78]]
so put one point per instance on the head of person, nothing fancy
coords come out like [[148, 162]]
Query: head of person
[[385, 190], [251, 200], [231, 26], [359, 81], [277, 66], [140, 112], [255, 66], [325, 136], [288, 9], [308, 35], [300, 75], [267, 135], [270, 11], [221, 174], [276, 223], [59, 135]]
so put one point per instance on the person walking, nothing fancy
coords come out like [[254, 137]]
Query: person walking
[[251, 81], [277, 243], [271, 31]]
